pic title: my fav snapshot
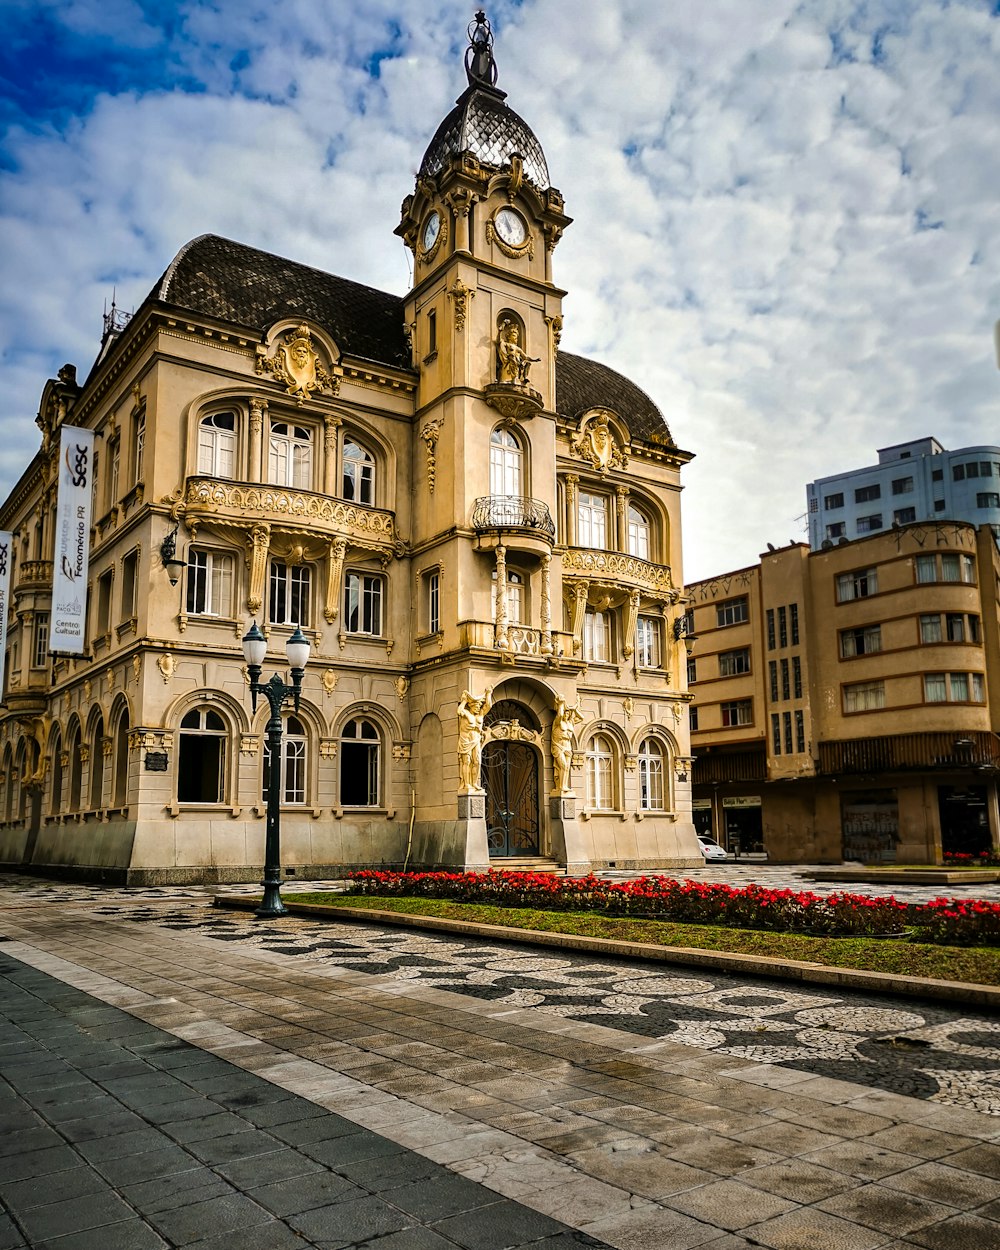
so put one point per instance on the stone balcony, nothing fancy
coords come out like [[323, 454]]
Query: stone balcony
[[618, 571], [513, 521], [32, 574], [222, 504]]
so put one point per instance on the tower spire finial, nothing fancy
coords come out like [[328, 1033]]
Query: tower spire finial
[[480, 66]]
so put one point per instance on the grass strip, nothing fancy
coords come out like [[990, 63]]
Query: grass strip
[[979, 965]]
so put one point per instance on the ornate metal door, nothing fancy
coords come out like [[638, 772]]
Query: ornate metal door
[[510, 777]]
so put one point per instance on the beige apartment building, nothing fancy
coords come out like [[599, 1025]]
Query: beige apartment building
[[478, 533], [845, 699]]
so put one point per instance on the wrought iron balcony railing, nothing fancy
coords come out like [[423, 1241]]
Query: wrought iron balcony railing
[[512, 512]]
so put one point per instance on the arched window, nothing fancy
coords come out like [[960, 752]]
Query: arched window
[[97, 765], [506, 459], [292, 785], [359, 473], [600, 773], [217, 444], [20, 771], [201, 757], [290, 456], [514, 596], [651, 776], [8, 796], [360, 761], [638, 533], [120, 797], [55, 791]]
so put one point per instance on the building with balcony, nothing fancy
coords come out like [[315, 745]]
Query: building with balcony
[[915, 481], [846, 700], [479, 534]]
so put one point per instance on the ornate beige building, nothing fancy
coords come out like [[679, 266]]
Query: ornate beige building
[[479, 534]]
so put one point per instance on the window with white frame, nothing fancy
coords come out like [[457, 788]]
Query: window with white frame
[[130, 586], [289, 597], [864, 696], [600, 774], [857, 585], [203, 742], [114, 472], [40, 655], [209, 582], [358, 481], [289, 461], [638, 533], [732, 612], [597, 636], [514, 596], [651, 776], [954, 688], [138, 446], [360, 764], [102, 622], [647, 642], [734, 663], [592, 520], [292, 778], [217, 445], [946, 567], [432, 594], [736, 712], [363, 595], [506, 464]]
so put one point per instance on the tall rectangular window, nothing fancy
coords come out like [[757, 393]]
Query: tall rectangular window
[[363, 604], [930, 627], [793, 620], [772, 672], [800, 731], [130, 576], [692, 670], [592, 521], [289, 458], [782, 628], [433, 602], [786, 687], [647, 642], [40, 655], [796, 677], [596, 636], [289, 598], [209, 583], [771, 640], [103, 619], [693, 718], [786, 719], [776, 733], [138, 446]]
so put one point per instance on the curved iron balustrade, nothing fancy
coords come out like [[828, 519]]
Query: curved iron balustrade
[[512, 512]]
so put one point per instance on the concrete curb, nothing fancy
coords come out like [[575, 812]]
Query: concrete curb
[[748, 965]]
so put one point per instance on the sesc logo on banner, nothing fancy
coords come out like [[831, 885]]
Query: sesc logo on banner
[[72, 553]]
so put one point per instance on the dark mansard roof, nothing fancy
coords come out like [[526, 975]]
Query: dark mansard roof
[[232, 282]]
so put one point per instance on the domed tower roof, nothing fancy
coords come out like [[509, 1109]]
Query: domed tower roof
[[481, 123]]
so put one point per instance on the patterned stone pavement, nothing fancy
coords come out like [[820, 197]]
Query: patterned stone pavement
[[646, 1106]]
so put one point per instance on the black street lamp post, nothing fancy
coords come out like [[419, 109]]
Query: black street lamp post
[[276, 692]]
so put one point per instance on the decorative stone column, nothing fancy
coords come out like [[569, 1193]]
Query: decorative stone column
[[621, 504], [546, 617], [501, 600], [460, 201], [334, 569], [331, 425], [572, 486], [258, 411], [580, 593], [631, 620]]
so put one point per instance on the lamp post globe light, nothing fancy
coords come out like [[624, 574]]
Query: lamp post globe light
[[276, 692]]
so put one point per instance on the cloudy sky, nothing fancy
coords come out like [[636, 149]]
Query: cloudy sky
[[787, 216]]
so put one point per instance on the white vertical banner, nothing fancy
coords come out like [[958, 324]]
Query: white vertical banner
[[6, 555], [72, 554]]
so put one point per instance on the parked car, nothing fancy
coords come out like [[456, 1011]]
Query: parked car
[[710, 849]]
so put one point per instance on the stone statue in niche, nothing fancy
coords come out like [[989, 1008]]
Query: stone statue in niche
[[514, 362], [563, 723], [471, 713]]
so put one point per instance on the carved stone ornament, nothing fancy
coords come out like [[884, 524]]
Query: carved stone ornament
[[166, 664], [249, 744], [461, 294], [555, 325], [628, 706], [596, 442], [402, 685], [328, 748], [329, 681], [401, 750], [296, 363], [430, 433]]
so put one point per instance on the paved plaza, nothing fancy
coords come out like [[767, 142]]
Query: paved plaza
[[179, 1075]]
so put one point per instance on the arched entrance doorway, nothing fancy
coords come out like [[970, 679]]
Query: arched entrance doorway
[[510, 779]]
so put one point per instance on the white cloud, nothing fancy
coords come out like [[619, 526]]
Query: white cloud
[[751, 183]]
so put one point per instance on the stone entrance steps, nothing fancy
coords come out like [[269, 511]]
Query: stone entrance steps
[[528, 863]]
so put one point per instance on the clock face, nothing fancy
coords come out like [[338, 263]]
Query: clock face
[[510, 227], [431, 230]]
